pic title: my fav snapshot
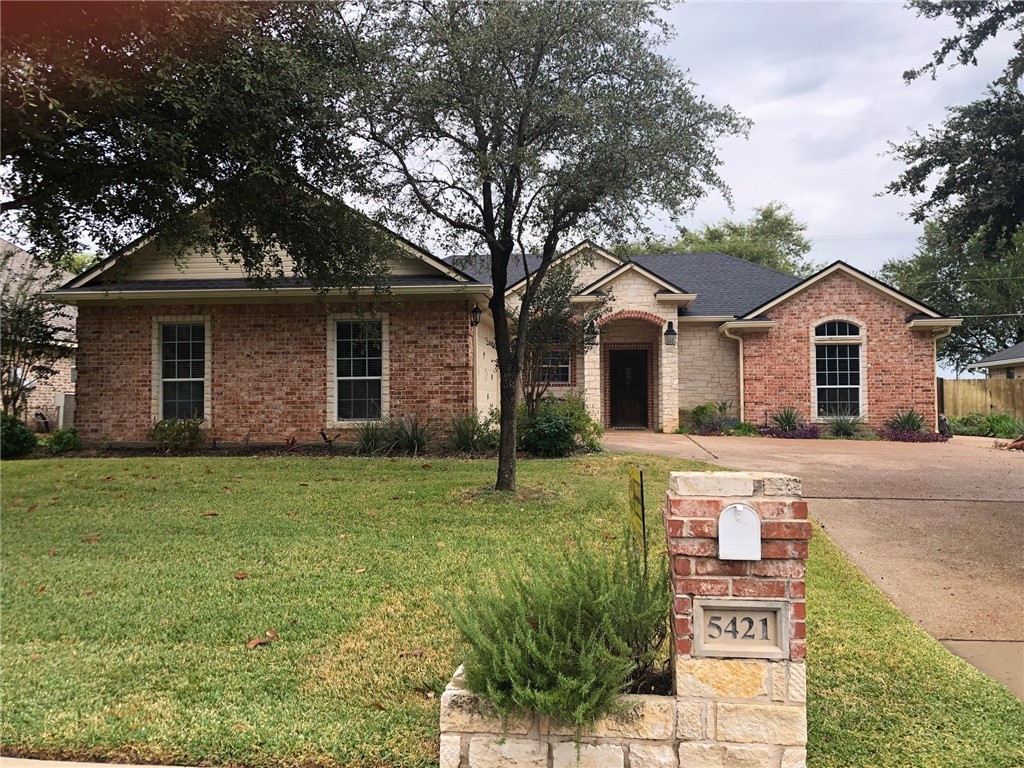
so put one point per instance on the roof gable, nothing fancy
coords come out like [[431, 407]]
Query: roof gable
[[842, 267], [1008, 356], [630, 267]]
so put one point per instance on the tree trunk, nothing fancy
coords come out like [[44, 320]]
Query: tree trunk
[[507, 445]]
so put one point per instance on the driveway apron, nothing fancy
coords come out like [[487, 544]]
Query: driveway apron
[[938, 527]]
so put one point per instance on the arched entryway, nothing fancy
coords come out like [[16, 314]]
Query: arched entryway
[[630, 368]]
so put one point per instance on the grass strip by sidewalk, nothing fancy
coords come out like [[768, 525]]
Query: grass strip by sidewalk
[[130, 588]]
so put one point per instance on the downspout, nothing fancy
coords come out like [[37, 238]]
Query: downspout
[[936, 338], [728, 334]]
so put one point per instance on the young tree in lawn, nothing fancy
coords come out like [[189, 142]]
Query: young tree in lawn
[[557, 330], [120, 118], [34, 334], [510, 126]]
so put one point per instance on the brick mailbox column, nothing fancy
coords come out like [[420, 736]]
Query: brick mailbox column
[[738, 620]]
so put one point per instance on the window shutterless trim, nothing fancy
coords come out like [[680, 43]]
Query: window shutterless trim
[[331, 417], [157, 378]]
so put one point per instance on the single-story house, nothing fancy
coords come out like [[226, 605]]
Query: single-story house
[[1006, 364], [157, 340]]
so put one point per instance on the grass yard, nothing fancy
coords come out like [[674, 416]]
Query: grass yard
[[130, 588]]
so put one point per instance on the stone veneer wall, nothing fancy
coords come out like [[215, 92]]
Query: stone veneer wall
[[708, 366], [726, 712], [268, 367]]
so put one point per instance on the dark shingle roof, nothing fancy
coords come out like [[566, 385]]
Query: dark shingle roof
[[725, 285], [227, 283], [1016, 352]]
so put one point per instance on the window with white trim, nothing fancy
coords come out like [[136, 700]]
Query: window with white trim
[[837, 368], [182, 370], [555, 367], [359, 370]]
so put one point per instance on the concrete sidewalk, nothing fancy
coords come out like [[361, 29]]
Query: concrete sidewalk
[[938, 527]]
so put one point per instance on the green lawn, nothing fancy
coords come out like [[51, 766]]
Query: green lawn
[[124, 626]]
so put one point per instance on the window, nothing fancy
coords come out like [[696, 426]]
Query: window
[[182, 370], [554, 366], [359, 370], [837, 368]]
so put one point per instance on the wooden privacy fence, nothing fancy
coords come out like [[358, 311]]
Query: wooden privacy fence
[[961, 396]]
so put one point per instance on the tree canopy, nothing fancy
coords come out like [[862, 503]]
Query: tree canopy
[[126, 117], [509, 126], [771, 237], [966, 280]]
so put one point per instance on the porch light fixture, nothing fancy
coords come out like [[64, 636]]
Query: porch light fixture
[[670, 335], [474, 316]]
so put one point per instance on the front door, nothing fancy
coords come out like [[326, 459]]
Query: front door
[[628, 392]]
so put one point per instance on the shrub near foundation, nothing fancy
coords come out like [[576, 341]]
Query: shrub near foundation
[[567, 638]]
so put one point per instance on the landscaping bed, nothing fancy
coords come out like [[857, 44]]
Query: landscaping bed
[[133, 587]]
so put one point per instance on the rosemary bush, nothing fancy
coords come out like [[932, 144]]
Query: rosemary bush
[[566, 639]]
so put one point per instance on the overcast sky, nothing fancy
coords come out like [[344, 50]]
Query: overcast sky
[[823, 84]]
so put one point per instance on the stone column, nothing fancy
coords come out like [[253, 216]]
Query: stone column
[[668, 417], [592, 382], [738, 624]]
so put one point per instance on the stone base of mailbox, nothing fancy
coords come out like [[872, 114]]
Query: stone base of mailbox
[[735, 714]]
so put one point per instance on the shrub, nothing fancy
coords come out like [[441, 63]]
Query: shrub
[[177, 435], [64, 440], [561, 427], [744, 429], [711, 418], [568, 638], [410, 435], [905, 421], [374, 437], [16, 440], [471, 434], [912, 436], [1002, 425], [843, 425], [805, 432], [788, 419]]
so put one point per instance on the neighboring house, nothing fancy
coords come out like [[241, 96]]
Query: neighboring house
[[1007, 364], [53, 397], [684, 329]]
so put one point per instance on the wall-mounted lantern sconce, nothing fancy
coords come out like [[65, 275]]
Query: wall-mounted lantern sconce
[[670, 335], [474, 316]]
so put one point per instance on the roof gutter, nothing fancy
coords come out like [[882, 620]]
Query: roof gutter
[[992, 363], [946, 324]]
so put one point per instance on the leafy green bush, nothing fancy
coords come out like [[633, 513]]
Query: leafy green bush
[[178, 435], [843, 425], [906, 421], [1002, 425], [788, 419], [471, 434], [373, 438], [16, 440], [744, 429], [64, 440], [711, 418], [561, 427], [569, 637]]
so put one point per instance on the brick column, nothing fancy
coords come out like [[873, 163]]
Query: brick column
[[739, 702]]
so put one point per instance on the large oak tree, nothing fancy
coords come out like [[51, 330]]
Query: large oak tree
[[507, 127]]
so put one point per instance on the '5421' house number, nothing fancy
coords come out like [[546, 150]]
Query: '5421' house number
[[730, 628]]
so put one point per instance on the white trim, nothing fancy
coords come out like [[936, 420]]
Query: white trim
[[861, 342], [643, 272], [847, 270], [581, 246], [934, 324], [704, 319], [996, 364], [76, 297], [746, 325], [157, 379], [332, 421]]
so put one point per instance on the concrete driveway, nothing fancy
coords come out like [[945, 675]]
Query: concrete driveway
[[938, 527]]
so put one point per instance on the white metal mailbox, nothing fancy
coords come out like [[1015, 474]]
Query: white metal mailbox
[[739, 533]]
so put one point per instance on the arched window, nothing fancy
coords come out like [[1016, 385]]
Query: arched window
[[837, 368]]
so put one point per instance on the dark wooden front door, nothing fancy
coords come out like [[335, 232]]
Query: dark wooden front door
[[628, 392]]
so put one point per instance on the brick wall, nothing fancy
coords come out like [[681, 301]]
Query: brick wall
[[41, 397], [897, 364], [268, 367]]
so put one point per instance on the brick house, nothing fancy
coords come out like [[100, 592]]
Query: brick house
[[686, 329], [156, 340], [1005, 364]]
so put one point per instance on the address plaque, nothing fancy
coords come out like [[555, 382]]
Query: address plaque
[[746, 629]]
